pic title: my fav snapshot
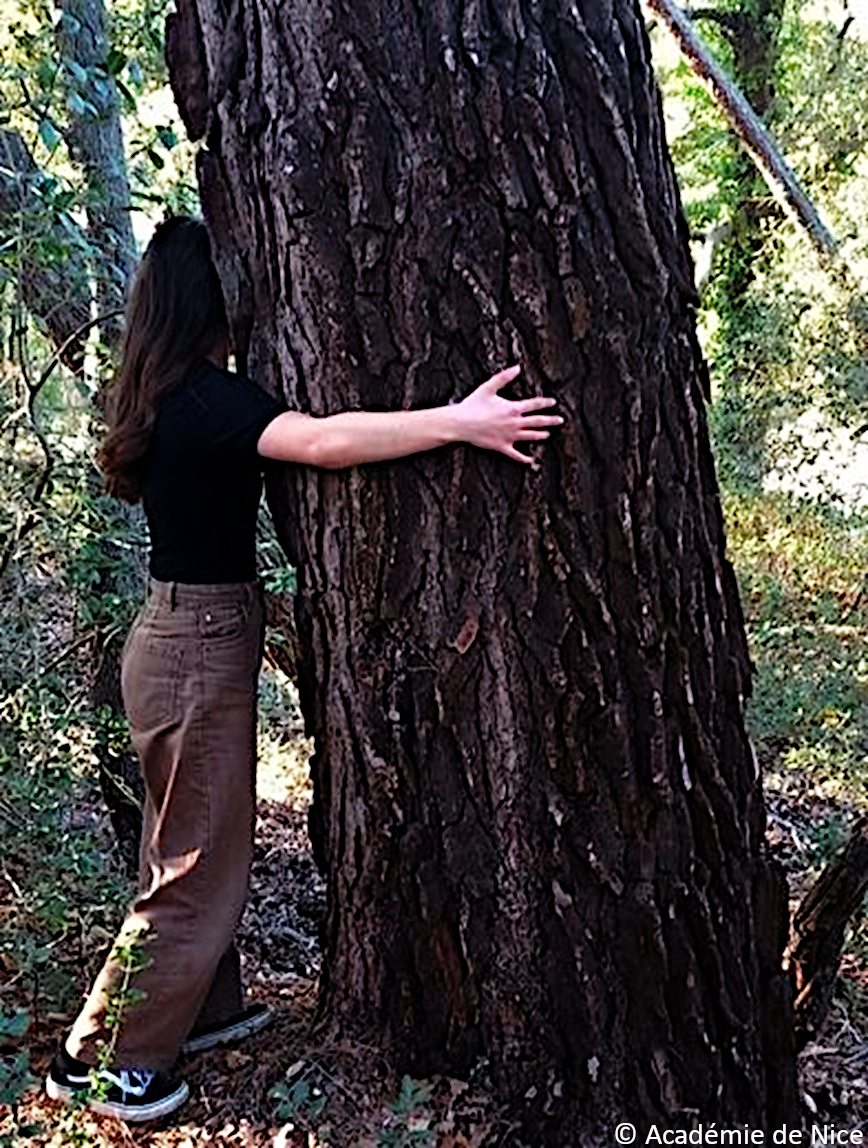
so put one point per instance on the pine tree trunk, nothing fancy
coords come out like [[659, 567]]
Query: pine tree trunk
[[535, 800]]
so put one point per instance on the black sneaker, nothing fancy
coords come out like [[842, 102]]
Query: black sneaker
[[131, 1094], [235, 1027]]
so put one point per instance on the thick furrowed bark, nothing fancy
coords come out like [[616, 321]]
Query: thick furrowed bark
[[534, 796]]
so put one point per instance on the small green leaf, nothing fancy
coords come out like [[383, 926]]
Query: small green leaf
[[156, 159], [49, 134], [15, 1079], [127, 96], [167, 137], [46, 70], [13, 1023], [116, 61], [76, 106]]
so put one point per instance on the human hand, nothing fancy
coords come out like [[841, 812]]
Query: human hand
[[494, 423]]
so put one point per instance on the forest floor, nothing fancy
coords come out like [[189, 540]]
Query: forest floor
[[341, 1095], [344, 1095]]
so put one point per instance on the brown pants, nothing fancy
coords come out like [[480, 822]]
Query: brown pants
[[189, 683]]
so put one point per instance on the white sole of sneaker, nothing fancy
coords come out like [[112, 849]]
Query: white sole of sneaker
[[132, 1113], [229, 1035]]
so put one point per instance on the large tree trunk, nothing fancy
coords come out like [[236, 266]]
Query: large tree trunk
[[535, 799]]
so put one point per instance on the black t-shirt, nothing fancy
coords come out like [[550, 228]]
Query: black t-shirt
[[203, 478]]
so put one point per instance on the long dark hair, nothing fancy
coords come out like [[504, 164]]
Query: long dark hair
[[175, 316]]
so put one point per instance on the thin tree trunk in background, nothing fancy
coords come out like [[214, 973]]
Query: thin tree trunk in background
[[535, 800], [59, 298], [96, 144], [757, 61], [820, 923], [743, 410]]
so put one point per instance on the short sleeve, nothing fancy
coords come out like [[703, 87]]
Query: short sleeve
[[234, 411]]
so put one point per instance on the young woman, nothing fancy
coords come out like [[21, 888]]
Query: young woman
[[188, 438]]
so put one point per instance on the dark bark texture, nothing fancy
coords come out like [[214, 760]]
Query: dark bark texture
[[819, 928], [535, 801]]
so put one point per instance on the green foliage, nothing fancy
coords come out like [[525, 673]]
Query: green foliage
[[44, 94], [801, 573], [15, 1078], [14, 1023], [130, 958], [785, 329], [61, 884], [60, 881], [71, 580], [277, 575], [15, 1075], [801, 570], [822, 87], [410, 1119], [410, 1123], [301, 1098]]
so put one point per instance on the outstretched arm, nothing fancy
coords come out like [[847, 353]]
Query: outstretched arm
[[483, 419]]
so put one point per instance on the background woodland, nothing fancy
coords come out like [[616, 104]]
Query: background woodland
[[91, 155]]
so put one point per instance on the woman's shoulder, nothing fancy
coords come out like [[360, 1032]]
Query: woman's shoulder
[[210, 385], [225, 403]]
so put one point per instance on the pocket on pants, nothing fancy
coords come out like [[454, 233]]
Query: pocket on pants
[[224, 622], [151, 679]]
